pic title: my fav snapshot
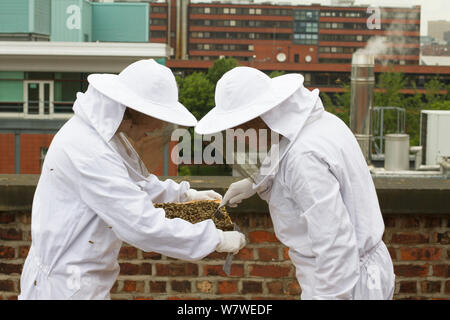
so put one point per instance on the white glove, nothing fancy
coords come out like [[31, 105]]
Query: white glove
[[193, 194], [238, 191], [230, 241]]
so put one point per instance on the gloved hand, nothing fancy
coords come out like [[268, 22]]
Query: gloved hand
[[238, 191], [230, 241], [193, 194]]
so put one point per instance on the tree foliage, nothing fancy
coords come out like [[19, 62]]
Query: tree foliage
[[196, 92], [219, 68]]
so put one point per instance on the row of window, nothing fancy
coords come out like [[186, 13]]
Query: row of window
[[363, 14], [158, 22], [397, 51], [240, 11], [158, 34], [306, 15], [363, 26], [360, 38], [221, 47], [305, 38], [158, 9], [241, 23], [311, 27], [241, 35]]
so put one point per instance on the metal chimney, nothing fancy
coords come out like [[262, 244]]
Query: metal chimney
[[362, 85]]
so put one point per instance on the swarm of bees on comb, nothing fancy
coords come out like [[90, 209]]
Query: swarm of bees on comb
[[197, 211]]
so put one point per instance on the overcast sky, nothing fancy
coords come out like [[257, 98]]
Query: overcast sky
[[431, 9]]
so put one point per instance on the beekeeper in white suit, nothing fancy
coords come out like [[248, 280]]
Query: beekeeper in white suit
[[318, 187], [94, 192]]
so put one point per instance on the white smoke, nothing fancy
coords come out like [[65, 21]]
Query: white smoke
[[393, 43]]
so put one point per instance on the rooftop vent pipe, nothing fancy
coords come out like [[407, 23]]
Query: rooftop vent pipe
[[362, 85]]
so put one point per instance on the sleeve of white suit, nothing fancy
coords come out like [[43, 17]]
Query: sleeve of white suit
[[106, 188], [317, 193], [165, 191]]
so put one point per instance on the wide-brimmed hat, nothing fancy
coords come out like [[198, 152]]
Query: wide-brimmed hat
[[148, 87], [243, 94]]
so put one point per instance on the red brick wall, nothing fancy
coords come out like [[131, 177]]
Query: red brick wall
[[6, 153], [419, 245], [30, 151]]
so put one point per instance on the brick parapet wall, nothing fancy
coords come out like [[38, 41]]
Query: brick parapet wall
[[419, 246]]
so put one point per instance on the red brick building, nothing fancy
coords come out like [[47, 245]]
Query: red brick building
[[317, 41]]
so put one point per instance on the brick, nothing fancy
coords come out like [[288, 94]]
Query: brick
[[7, 285], [129, 286], [145, 268], [443, 238], [447, 287], [157, 286], [217, 256], [129, 268], [251, 287], [143, 298], [204, 286], [7, 252], [181, 286], [269, 271], [411, 270], [286, 253], [226, 287], [177, 269], [237, 270], [408, 287], [392, 253], [432, 222], [389, 222], [262, 236], [441, 270], [10, 268], [10, 234], [424, 254], [25, 218], [268, 254], [294, 288], [115, 287], [151, 255], [244, 254], [410, 222], [275, 287], [430, 286], [127, 252], [6, 217], [260, 221], [23, 251], [409, 238]]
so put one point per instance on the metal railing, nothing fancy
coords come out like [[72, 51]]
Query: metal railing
[[379, 126], [59, 107]]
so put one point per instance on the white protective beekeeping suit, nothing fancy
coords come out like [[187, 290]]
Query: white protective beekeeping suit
[[88, 201], [324, 206], [320, 193]]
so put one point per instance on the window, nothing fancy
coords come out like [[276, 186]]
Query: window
[[233, 10], [258, 11], [251, 47], [226, 10], [296, 58], [232, 23], [251, 11], [207, 10]]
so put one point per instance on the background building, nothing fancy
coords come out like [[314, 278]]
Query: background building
[[436, 29], [49, 49]]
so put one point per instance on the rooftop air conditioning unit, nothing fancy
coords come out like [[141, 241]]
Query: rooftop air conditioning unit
[[435, 135]]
